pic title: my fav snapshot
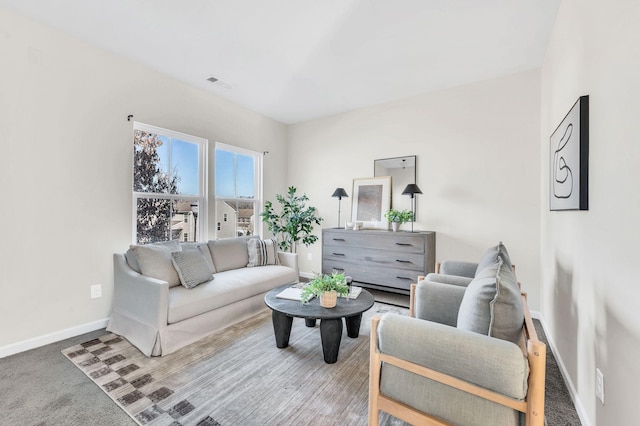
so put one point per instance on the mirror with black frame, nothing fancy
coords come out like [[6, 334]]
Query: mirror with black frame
[[403, 172]]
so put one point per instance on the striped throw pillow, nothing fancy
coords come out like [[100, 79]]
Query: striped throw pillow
[[262, 252]]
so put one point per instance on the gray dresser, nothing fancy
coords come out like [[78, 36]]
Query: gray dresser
[[383, 260]]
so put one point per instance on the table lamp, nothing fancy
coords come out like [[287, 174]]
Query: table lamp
[[339, 192], [412, 189]]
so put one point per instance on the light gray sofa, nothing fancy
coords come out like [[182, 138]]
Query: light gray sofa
[[159, 315], [467, 355]]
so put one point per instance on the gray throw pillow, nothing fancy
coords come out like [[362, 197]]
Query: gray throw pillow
[[492, 304], [491, 256], [192, 267], [155, 261], [262, 252]]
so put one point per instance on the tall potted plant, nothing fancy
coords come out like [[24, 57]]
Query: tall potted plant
[[294, 224]]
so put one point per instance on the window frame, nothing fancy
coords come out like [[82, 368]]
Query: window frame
[[257, 185], [202, 196]]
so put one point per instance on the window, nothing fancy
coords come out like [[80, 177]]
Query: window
[[169, 185], [238, 191]]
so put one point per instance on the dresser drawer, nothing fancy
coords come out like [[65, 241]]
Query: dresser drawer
[[379, 259], [388, 277], [398, 241], [374, 257]]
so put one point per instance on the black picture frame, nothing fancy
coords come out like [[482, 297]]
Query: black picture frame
[[569, 160]]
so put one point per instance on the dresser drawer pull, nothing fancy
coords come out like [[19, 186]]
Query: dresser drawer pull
[[338, 239], [337, 269], [403, 278], [403, 244], [401, 261], [338, 254]]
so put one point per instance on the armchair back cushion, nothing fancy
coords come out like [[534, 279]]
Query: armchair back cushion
[[492, 304], [491, 256]]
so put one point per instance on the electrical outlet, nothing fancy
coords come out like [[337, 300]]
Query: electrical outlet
[[600, 385], [96, 291], [309, 256]]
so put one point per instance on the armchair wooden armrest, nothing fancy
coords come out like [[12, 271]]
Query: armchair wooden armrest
[[532, 406]]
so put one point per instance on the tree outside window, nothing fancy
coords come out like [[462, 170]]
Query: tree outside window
[[168, 185]]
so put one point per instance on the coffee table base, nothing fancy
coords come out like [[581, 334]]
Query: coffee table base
[[330, 332]]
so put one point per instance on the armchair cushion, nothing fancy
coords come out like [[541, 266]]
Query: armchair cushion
[[491, 256], [456, 352], [458, 280], [492, 304], [438, 302], [459, 268]]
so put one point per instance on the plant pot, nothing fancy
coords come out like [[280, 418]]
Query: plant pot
[[395, 226], [328, 299]]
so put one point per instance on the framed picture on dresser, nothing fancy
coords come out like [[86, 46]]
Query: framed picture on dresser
[[371, 199]]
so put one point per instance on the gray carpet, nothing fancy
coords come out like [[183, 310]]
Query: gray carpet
[[41, 387]]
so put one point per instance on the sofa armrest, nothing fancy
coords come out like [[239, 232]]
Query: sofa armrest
[[460, 268], [141, 298], [494, 364], [438, 302], [289, 259], [449, 279]]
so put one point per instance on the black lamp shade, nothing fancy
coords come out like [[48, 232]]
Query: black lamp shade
[[411, 189], [340, 192]]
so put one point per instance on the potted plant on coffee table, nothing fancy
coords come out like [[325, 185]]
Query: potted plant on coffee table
[[397, 218], [327, 287]]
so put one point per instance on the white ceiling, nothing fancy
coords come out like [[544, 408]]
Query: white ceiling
[[295, 60]]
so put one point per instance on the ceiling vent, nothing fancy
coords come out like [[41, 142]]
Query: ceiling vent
[[216, 81]]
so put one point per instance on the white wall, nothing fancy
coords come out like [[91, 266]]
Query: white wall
[[65, 168], [477, 150], [590, 293]]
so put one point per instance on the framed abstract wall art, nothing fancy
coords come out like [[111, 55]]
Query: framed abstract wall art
[[371, 199], [569, 160]]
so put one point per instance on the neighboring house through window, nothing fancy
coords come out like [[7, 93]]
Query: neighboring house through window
[[169, 185], [238, 179]]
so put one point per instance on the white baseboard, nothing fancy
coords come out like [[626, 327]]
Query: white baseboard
[[306, 274], [584, 419], [36, 342]]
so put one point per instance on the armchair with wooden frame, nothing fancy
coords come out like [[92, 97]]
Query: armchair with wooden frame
[[426, 371]]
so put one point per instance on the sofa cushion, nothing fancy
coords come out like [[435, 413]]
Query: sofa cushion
[[155, 261], [229, 253], [131, 259], [491, 256], [262, 252], [492, 304], [227, 287], [204, 248], [192, 267]]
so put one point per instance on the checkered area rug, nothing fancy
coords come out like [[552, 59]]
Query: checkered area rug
[[236, 377], [112, 362]]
